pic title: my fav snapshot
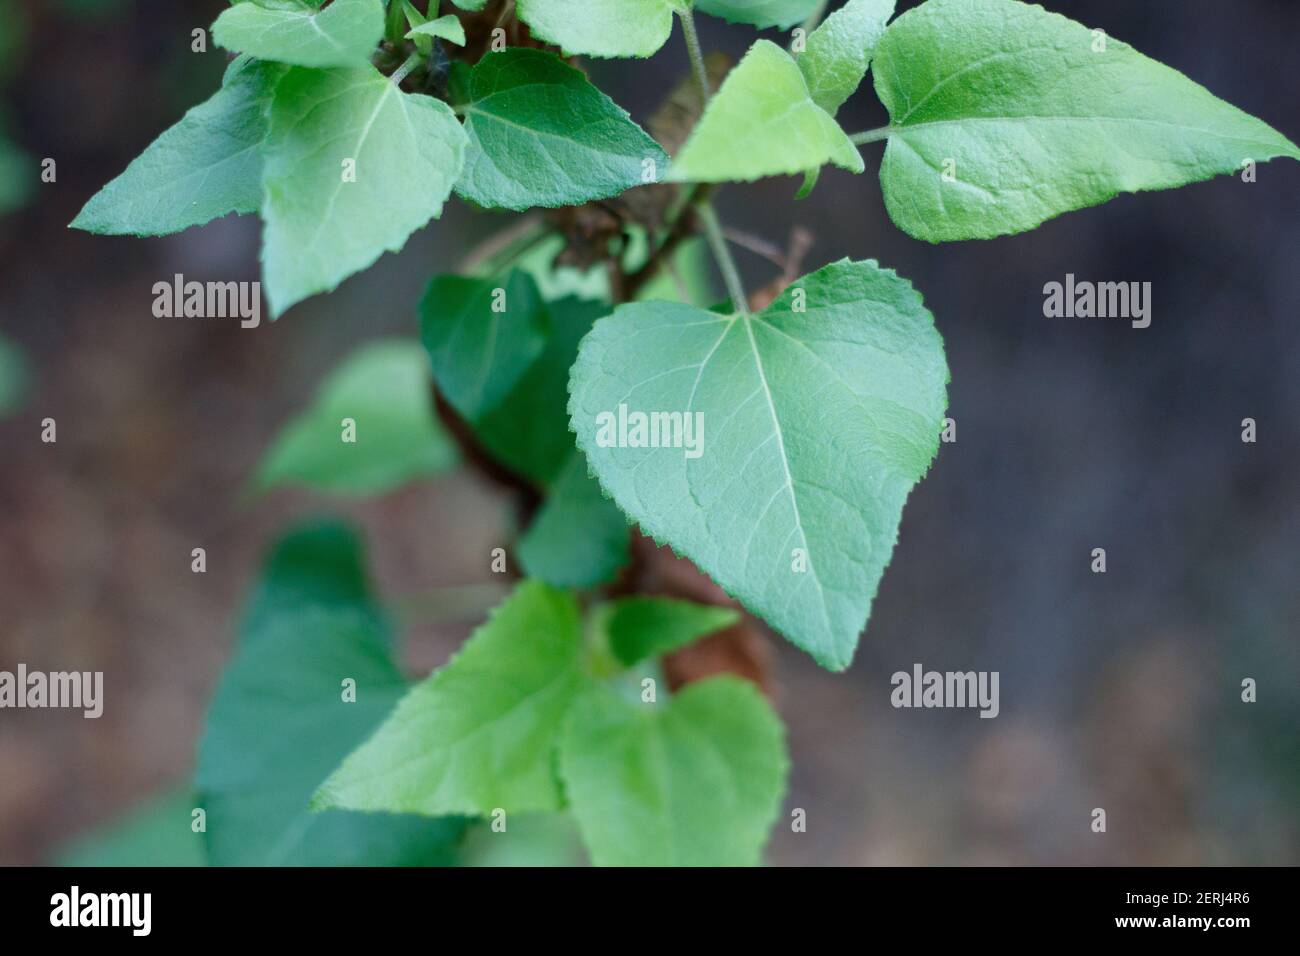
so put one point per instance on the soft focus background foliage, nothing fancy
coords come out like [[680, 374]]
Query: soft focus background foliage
[[1118, 690]]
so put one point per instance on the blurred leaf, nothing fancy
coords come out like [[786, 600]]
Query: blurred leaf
[[160, 833], [579, 538], [482, 335], [384, 387], [759, 13], [14, 377], [531, 839], [280, 722]]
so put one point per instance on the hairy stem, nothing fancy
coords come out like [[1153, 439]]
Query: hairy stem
[[872, 135], [404, 70], [726, 265], [696, 55]]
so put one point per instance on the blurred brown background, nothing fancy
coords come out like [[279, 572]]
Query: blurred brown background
[[1119, 690]]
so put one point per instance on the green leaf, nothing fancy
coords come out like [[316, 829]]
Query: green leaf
[[641, 627], [318, 567], [1032, 121], [759, 13], [159, 833], [17, 174], [345, 33], [353, 167], [763, 122], [481, 732], [279, 723], [447, 28], [541, 135], [207, 165], [604, 28], [533, 839], [696, 780], [816, 424], [14, 377], [579, 538], [519, 414], [385, 389], [482, 336], [837, 53], [529, 430]]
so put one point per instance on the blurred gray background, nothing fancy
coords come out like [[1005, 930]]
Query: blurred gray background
[[1119, 690]]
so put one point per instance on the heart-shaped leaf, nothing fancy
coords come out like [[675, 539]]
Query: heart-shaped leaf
[[774, 450], [695, 780], [1005, 115]]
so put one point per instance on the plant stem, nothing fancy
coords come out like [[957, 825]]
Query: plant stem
[[726, 265], [872, 135], [404, 70], [696, 55], [815, 17]]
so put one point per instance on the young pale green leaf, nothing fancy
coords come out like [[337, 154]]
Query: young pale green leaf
[[838, 52], [482, 335], [384, 390], [759, 13], [1005, 115], [414, 18], [604, 28], [207, 165], [353, 167], [694, 780], [280, 722], [809, 424], [641, 627], [481, 732], [579, 538], [541, 135], [446, 28], [345, 33], [763, 122]]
